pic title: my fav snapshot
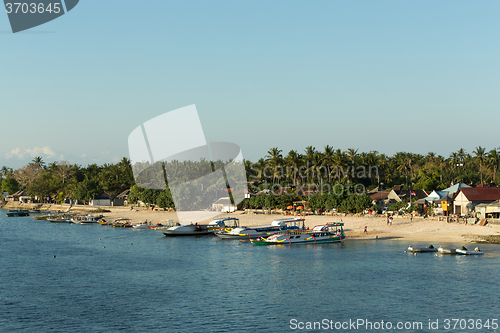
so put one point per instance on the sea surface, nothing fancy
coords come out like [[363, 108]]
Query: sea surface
[[105, 279]]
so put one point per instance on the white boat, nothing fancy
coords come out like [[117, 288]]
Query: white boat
[[327, 233], [177, 229], [464, 251], [294, 223], [141, 225], [446, 251], [422, 249], [85, 219]]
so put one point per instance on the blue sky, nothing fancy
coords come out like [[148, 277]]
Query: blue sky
[[374, 75]]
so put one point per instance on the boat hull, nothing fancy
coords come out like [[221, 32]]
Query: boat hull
[[447, 251], [289, 242], [421, 249], [467, 252]]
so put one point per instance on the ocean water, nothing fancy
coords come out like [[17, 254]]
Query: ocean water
[[106, 279]]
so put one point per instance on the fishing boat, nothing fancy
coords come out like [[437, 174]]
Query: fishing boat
[[464, 251], [264, 231], [422, 249], [225, 222], [62, 218], [326, 233], [446, 251], [175, 228], [85, 219], [18, 212], [122, 223], [141, 225]]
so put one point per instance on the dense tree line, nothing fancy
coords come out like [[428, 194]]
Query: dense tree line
[[326, 169]]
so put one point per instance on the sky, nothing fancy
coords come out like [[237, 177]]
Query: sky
[[389, 76]]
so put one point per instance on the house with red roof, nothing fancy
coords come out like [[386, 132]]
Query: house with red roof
[[468, 198]]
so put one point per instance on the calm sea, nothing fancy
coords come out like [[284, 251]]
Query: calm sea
[[107, 279]]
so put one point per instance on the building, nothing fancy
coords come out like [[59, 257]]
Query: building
[[102, 199], [468, 198], [121, 199], [224, 205]]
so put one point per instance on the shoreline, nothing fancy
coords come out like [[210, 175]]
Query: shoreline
[[423, 230]]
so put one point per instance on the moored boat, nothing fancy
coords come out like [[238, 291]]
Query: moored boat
[[17, 212], [422, 249], [85, 219], [173, 228], [464, 251], [253, 232], [327, 233], [446, 251]]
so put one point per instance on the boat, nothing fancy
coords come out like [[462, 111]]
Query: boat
[[422, 249], [225, 222], [85, 219], [174, 228], [62, 218], [17, 212], [327, 233], [121, 223], [464, 251], [141, 225], [446, 251], [262, 230]]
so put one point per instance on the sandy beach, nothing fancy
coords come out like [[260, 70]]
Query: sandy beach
[[424, 230], [428, 230]]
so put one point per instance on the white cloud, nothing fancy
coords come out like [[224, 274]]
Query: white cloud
[[21, 153]]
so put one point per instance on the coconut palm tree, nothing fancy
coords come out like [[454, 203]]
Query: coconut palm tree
[[293, 161], [480, 156], [275, 160], [493, 159]]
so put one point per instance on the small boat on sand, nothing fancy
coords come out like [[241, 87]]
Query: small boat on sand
[[442, 250], [422, 249], [464, 251]]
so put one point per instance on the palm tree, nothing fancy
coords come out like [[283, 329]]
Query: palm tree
[[492, 160], [328, 160], [338, 161], [293, 160], [274, 159], [39, 161], [480, 156]]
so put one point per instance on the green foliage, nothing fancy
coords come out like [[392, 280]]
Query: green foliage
[[10, 185]]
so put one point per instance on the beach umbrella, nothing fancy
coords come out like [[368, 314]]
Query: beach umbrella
[[300, 207], [289, 207]]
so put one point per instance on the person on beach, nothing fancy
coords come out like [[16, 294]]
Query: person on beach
[[390, 220], [366, 231]]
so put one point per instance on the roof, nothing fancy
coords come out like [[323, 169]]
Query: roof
[[102, 196], [223, 201], [481, 194], [436, 195], [419, 194], [382, 195], [398, 187], [454, 188], [123, 195]]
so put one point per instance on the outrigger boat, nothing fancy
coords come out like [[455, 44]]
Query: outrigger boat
[[18, 212], [327, 233], [422, 249], [464, 251], [262, 230]]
